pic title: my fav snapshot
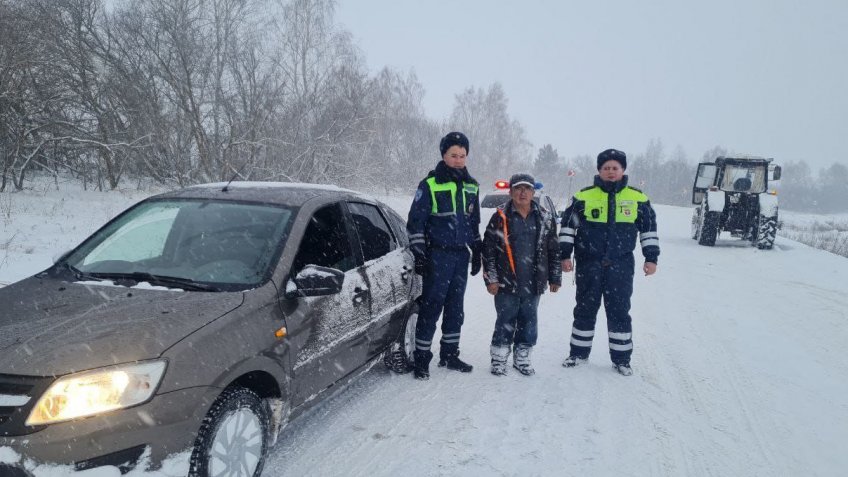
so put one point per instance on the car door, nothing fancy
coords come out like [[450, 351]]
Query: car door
[[388, 271], [326, 331]]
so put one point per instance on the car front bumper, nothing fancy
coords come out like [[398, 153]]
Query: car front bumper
[[166, 425]]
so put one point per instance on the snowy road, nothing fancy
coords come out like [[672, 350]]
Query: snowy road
[[738, 362], [737, 366]]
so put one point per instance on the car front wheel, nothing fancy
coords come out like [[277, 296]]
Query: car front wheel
[[233, 437]]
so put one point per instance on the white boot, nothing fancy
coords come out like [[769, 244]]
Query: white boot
[[500, 354], [521, 360]]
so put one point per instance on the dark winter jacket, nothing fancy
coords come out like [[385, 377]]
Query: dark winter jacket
[[445, 212], [602, 222], [498, 262]]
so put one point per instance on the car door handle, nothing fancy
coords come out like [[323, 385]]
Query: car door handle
[[359, 294]]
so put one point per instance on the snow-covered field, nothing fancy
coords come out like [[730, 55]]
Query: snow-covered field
[[739, 367]]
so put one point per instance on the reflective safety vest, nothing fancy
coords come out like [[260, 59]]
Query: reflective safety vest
[[443, 197], [597, 203]]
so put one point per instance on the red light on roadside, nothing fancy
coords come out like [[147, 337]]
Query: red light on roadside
[[501, 185]]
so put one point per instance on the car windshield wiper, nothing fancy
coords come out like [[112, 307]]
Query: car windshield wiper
[[171, 282], [78, 274]]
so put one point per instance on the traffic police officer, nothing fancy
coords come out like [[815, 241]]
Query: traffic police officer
[[443, 223], [600, 227]]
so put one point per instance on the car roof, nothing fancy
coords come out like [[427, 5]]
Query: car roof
[[283, 193]]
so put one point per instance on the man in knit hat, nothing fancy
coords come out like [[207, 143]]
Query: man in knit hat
[[600, 227], [444, 236]]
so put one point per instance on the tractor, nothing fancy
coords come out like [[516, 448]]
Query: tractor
[[733, 195]]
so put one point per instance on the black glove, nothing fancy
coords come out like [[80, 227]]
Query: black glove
[[476, 257], [420, 264]]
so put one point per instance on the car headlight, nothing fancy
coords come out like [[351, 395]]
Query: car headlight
[[98, 391]]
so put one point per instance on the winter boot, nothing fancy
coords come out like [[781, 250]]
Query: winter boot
[[499, 356], [452, 361], [421, 367], [521, 360], [623, 369], [573, 361]]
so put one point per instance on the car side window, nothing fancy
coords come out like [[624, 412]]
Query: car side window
[[326, 242], [399, 226], [375, 235]]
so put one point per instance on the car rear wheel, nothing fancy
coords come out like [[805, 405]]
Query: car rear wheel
[[398, 357], [233, 437]]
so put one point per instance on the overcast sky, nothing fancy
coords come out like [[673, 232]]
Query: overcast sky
[[759, 77]]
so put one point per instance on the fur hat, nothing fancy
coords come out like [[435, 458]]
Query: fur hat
[[453, 139], [612, 155]]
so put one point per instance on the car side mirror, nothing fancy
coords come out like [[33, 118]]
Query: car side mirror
[[776, 174], [315, 280]]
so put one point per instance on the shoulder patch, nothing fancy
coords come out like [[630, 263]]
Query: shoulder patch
[[418, 194]]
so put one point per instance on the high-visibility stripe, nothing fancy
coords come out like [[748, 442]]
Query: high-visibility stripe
[[649, 242], [585, 334], [648, 235], [568, 230], [413, 236], [620, 347], [451, 340], [566, 239], [620, 336], [450, 335], [423, 342], [581, 343], [506, 241], [444, 214]]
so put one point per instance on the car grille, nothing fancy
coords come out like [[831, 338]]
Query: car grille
[[18, 395]]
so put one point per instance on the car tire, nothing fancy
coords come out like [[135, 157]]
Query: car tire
[[767, 232], [708, 227], [234, 437], [398, 357]]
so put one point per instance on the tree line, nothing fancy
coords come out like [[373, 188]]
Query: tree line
[[189, 91], [668, 177]]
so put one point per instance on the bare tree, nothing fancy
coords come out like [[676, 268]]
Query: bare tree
[[499, 146]]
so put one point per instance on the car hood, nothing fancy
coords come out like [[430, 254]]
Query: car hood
[[50, 327]]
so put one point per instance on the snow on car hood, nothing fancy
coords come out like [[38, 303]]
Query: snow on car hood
[[50, 327]]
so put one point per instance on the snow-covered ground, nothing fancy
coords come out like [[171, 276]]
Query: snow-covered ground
[[739, 370]]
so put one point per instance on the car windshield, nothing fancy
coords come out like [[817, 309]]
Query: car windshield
[[740, 178], [193, 244]]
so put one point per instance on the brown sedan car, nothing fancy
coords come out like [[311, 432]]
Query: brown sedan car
[[199, 322]]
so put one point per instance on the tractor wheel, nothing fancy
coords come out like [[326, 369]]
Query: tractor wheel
[[708, 227], [766, 233], [696, 222]]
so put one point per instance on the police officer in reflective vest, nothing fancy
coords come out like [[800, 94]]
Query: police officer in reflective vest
[[600, 227], [443, 224]]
